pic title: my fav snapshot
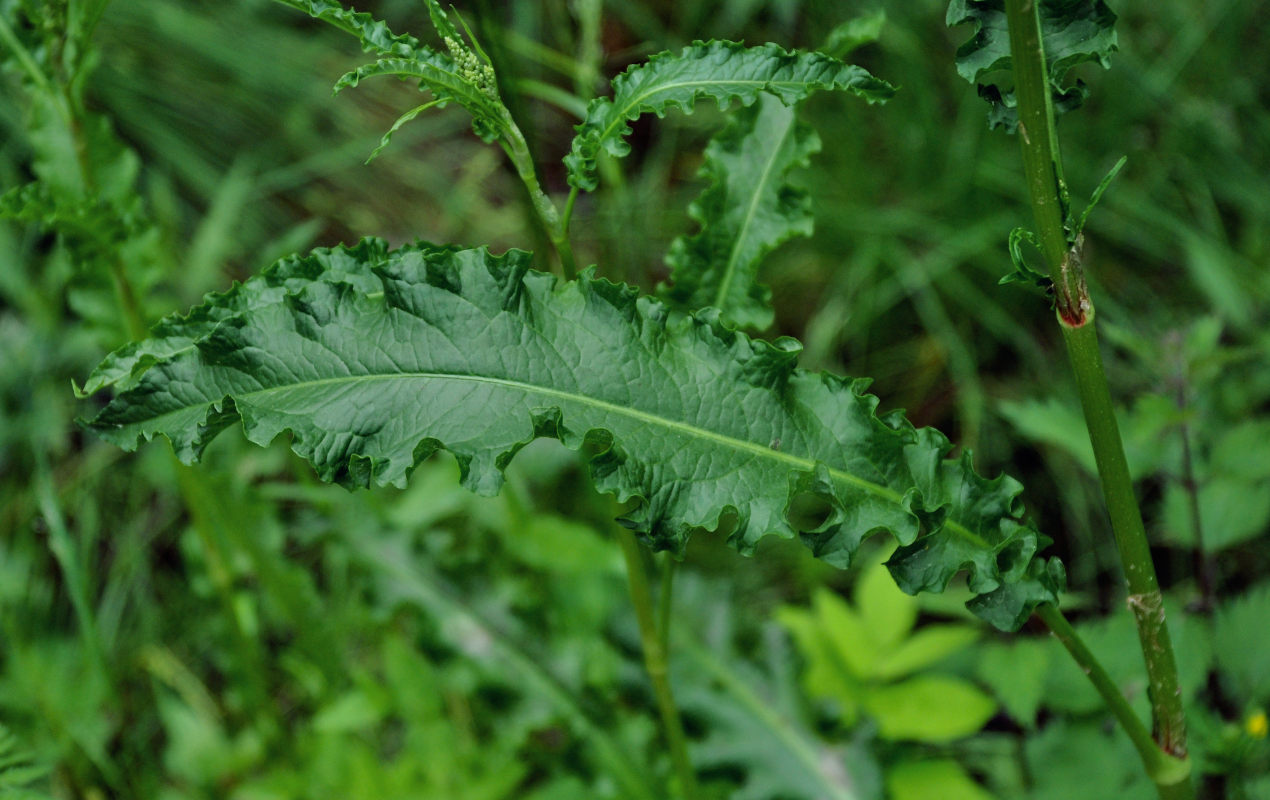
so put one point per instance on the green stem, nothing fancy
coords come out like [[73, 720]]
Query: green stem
[[518, 152], [1168, 772], [1039, 143], [656, 663]]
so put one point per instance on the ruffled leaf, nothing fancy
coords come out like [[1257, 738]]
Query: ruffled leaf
[[723, 71], [374, 365], [446, 80], [748, 210], [1072, 32], [374, 34]]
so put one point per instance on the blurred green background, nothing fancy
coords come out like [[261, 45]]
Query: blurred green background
[[243, 631]]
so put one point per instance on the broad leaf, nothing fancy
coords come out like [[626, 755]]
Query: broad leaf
[[723, 71], [746, 212], [1072, 32], [374, 368]]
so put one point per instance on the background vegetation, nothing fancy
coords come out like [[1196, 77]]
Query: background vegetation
[[247, 632]]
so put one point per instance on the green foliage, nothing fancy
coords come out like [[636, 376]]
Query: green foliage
[[868, 660], [1072, 33], [747, 211], [722, 71], [572, 363]]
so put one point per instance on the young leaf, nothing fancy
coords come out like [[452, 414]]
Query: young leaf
[[373, 34], [447, 80], [374, 368], [1072, 32], [746, 212], [724, 71]]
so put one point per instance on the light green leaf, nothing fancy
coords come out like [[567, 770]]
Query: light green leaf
[[748, 210], [1072, 32], [923, 649], [724, 71], [887, 613], [374, 367], [929, 708], [924, 780]]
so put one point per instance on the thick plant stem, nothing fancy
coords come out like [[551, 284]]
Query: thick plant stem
[[1145, 599], [655, 660], [1170, 773], [1039, 143]]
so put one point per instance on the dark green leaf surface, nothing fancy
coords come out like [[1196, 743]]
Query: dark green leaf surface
[[1072, 32], [373, 367], [724, 71], [747, 211]]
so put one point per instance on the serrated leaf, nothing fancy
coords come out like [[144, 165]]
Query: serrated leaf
[[374, 34], [748, 210], [723, 71], [1072, 32], [474, 353], [440, 75]]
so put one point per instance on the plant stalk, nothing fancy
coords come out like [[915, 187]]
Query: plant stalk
[[655, 661], [1038, 141], [518, 151], [1167, 771]]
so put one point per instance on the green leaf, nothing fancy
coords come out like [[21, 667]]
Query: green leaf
[[373, 369], [1242, 650], [1024, 272], [374, 34], [925, 648], [855, 32], [922, 780], [724, 71], [1016, 673], [1072, 32], [928, 708], [447, 80], [747, 211]]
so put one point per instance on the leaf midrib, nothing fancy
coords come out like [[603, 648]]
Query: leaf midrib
[[725, 285], [627, 411]]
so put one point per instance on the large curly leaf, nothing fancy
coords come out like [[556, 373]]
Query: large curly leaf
[[375, 366], [746, 212], [724, 71], [1072, 32]]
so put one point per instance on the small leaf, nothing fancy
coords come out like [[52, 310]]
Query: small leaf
[[724, 71], [1072, 32], [748, 210], [929, 708], [374, 34], [439, 74], [1024, 273], [923, 780], [402, 120], [375, 365], [1074, 231], [924, 649], [854, 33]]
